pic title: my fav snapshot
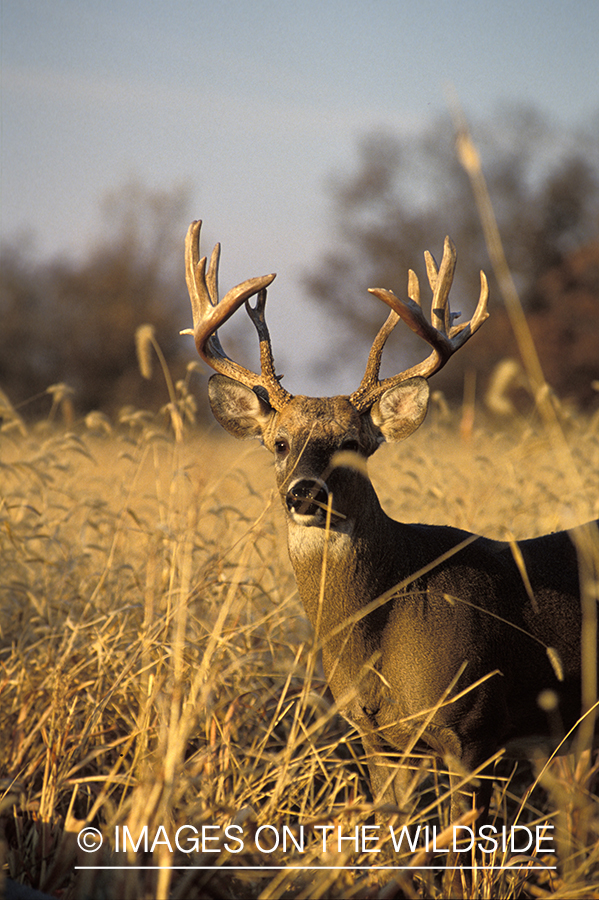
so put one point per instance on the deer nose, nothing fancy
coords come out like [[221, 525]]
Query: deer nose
[[307, 496]]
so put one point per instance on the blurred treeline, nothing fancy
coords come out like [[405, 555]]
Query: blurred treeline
[[406, 193], [75, 322]]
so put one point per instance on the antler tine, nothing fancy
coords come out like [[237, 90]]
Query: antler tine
[[444, 337], [373, 364], [267, 363], [440, 281], [209, 313]]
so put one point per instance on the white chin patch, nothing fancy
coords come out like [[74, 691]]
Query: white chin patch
[[337, 525], [318, 519]]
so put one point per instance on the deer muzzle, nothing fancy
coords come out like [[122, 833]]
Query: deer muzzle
[[308, 497]]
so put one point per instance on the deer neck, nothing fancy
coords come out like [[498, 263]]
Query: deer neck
[[339, 571]]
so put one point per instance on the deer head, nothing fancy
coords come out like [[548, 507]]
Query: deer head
[[307, 435]]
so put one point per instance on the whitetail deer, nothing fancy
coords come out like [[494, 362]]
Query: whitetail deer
[[409, 617]]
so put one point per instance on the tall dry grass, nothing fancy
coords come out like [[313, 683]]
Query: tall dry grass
[[156, 668]]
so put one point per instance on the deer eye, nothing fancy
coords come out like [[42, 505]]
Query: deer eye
[[281, 447]]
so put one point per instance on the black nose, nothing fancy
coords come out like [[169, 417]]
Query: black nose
[[306, 497]]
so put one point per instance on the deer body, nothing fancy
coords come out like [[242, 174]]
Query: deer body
[[430, 636], [396, 643]]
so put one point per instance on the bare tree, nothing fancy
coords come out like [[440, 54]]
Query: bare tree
[[407, 193], [75, 322]]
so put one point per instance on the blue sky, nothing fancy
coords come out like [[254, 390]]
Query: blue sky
[[254, 105]]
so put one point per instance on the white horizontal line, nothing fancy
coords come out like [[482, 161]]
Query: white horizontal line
[[329, 868]]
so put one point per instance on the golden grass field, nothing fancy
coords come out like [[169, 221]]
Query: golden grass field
[[156, 668]]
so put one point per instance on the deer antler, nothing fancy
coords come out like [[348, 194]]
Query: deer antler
[[443, 336], [209, 313]]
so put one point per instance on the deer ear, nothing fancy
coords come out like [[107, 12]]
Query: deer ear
[[238, 408], [401, 409]]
